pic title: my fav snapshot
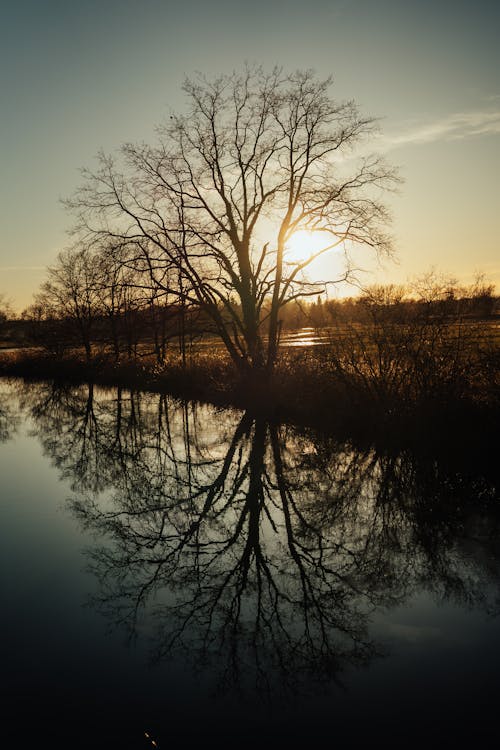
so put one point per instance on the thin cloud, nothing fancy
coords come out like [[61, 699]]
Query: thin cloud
[[451, 128]]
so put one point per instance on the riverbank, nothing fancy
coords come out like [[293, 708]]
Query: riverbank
[[308, 389]]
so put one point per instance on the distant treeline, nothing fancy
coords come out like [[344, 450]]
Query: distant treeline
[[123, 316], [427, 297], [153, 329]]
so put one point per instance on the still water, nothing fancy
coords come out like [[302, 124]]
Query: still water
[[208, 579]]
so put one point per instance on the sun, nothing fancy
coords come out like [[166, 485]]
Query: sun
[[304, 244]]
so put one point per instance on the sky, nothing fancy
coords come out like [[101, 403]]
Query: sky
[[76, 78]]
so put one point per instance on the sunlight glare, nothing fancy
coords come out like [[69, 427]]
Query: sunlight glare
[[304, 243]]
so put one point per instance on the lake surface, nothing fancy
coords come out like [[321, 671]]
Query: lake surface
[[210, 579]]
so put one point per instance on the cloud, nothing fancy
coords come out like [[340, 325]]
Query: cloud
[[451, 128]]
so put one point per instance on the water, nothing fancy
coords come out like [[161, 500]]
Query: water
[[206, 578], [303, 338], [300, 338]]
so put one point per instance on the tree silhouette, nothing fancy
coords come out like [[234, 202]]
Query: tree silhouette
[[70, 298], [210, 209]]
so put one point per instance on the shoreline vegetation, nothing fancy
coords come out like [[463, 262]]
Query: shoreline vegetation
[[387, 367], [424, 386]]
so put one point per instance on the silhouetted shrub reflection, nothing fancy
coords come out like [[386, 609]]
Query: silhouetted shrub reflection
[[9, 419], [253, 549]]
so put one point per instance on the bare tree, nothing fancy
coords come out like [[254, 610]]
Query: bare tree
[[257, 157], [71, 294], [5, 310], [119, 295]]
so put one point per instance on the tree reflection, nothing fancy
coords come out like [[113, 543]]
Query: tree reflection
[[253, 549], [9, 419]]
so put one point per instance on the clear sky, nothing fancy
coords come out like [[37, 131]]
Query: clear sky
[[78, 77]]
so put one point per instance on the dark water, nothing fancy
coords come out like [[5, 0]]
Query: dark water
[[213, 580]]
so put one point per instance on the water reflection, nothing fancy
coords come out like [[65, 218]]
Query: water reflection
[[9, 418], [305, 338], [256, 552]]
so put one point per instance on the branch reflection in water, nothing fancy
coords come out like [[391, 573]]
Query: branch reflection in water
[[257, 551], [9, 418]]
